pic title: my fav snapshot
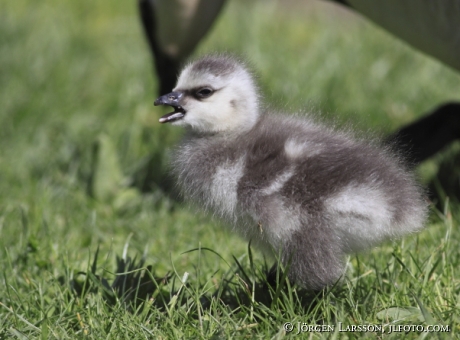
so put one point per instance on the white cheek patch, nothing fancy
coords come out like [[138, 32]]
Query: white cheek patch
[[197, 115], [223, 195], [295, 149], [218, 114], [362, 214], [278, 183]]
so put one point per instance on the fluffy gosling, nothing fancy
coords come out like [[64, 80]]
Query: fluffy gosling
[[291, 185]]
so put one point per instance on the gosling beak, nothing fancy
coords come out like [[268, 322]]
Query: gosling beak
[[171, 99]]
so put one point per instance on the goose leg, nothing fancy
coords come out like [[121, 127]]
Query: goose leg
[[173, 29], [425, 137]]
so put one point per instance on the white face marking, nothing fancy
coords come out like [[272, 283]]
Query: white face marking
[[278, 183], [362, 214], [224, 187], [295, 149], [233, 107]]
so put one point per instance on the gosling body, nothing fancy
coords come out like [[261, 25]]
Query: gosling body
[[291, 185]]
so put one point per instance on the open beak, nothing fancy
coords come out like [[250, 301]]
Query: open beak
[[171, 99]]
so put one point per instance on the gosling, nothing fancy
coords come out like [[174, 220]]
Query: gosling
[[291, 185]]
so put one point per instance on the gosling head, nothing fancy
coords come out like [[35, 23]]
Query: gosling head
[[214, 94]]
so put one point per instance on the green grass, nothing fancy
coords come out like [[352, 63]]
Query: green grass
[[77, 127]]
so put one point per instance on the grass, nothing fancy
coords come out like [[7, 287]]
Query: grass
[[78, 128]]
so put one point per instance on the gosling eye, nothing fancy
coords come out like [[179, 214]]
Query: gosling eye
[[204, 92]]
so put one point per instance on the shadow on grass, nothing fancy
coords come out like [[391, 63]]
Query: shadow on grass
[[134, 283], [248, 289]]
